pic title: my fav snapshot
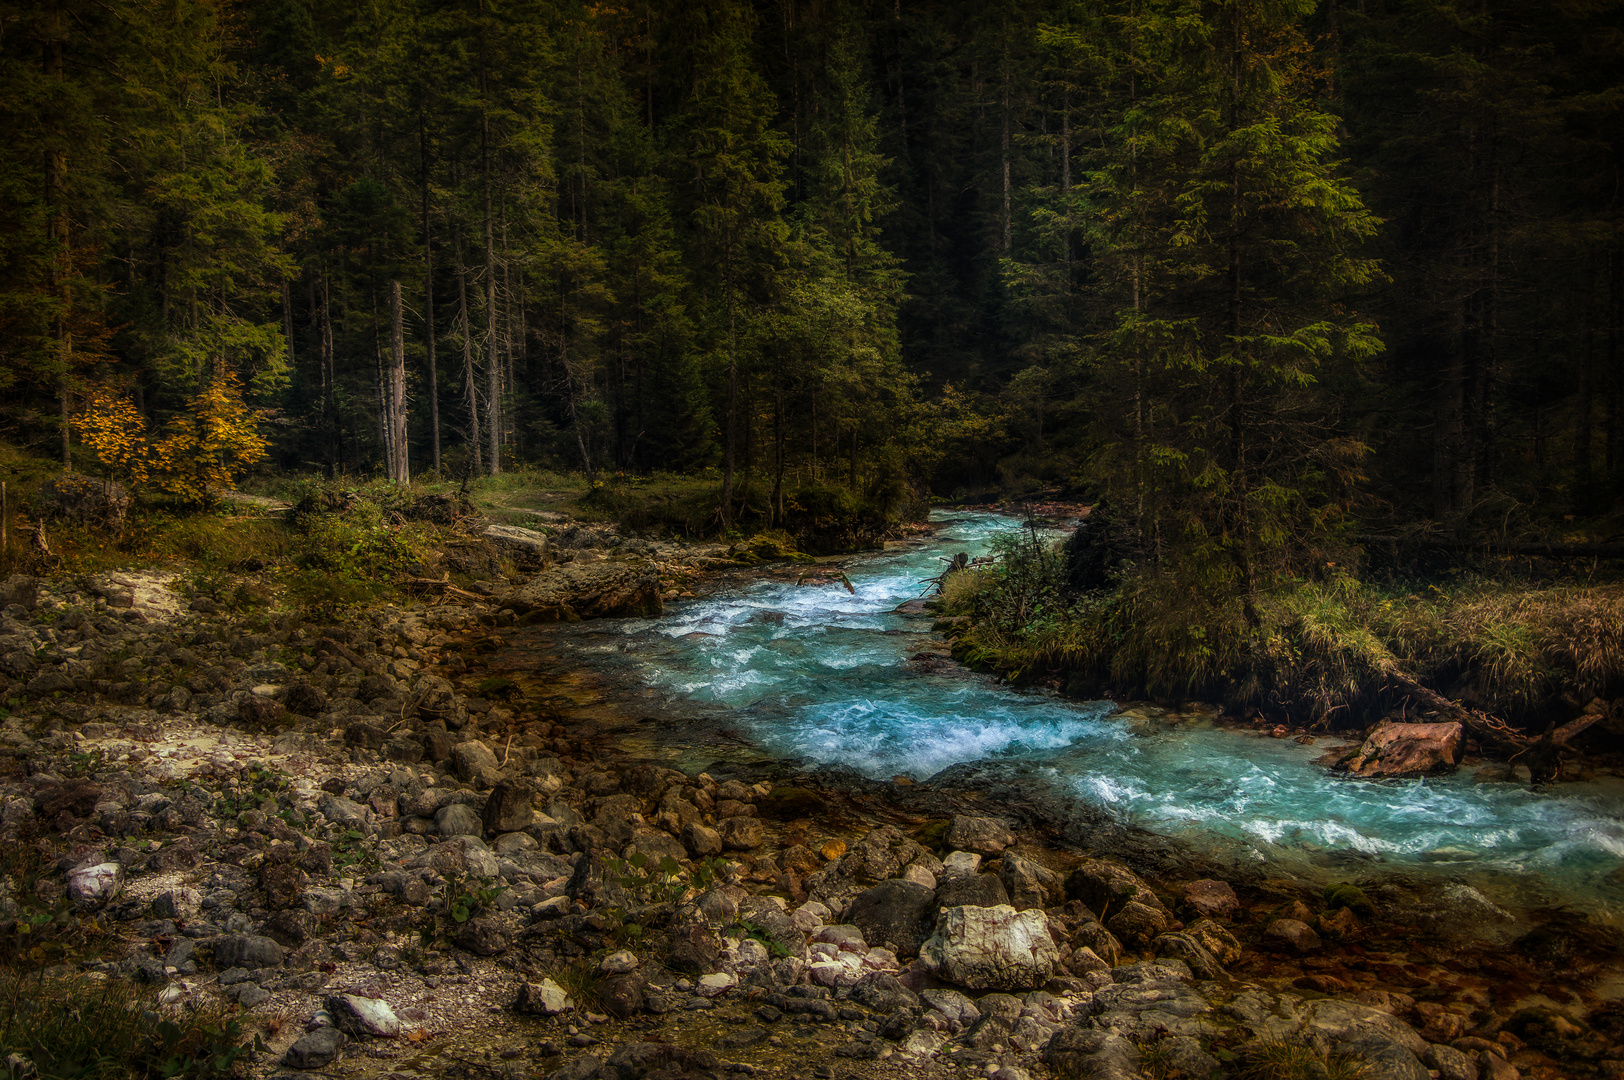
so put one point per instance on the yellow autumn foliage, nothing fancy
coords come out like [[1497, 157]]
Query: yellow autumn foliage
[[208, 447]]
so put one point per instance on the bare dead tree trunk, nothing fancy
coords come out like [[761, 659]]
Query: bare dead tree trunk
[[470, 380], [395, 392]]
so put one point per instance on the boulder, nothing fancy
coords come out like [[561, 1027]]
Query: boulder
[[1092, 1053], [1407, 750], [484, 935], [1208, 899], [898, 911], [1292, 935], [545, 998], [315, 1050], [93, 886], [247, 951], [982, 836], [526, 547], [363, 1017], [995, 948], [508, 808], [742, 833], [473, 758], [1216, 939], [456, 819], [971, 890], [1202, 963], [701, 840], [1137, 923], [1030, 884], [20, 589], [1106, 888]]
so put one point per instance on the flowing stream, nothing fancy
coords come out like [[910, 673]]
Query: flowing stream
[[816, 672]]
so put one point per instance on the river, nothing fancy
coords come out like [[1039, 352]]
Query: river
[[774, 669]]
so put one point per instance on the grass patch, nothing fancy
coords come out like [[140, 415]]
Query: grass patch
[[1272, 1059], [1321, 653], [85, 1028]]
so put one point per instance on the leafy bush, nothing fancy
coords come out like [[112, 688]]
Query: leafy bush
[[205, 447]]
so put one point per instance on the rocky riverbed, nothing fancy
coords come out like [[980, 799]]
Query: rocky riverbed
[[391, 864]]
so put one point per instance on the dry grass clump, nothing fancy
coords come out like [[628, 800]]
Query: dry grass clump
[[1330, 653]]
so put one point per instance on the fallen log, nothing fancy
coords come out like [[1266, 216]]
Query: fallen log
[[445, 587], [1544, 757], [1487, 728]]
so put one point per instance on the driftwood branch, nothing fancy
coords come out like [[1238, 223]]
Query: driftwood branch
[[1544, 757], [1487, 728], [819, 573], [445, 587]]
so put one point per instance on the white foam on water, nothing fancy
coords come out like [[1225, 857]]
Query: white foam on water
[[818, 672]]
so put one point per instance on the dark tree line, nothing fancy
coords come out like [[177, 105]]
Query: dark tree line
[[1252, 270]]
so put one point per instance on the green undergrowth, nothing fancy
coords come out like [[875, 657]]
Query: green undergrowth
[[1323, 653], [84, 1028]]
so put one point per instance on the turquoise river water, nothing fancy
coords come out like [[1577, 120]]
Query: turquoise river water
[[815, 672]]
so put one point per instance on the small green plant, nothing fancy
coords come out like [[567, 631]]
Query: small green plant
[[659, 882], [710, 872], [582, 980], [107, 1029], [351, 850], [775, 948], [82, 765], [259, 790], [461, 898]]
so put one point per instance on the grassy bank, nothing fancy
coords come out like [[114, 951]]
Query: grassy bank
[[360, 555], [1322, 655]]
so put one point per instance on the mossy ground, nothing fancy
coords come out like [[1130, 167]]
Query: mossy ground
[[1323, 652]]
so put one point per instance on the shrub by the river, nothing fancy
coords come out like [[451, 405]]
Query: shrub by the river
[[1321, 651]]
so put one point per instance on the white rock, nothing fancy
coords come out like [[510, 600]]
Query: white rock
[[991, 948], [93, 886], [921, 1045], [717, 984], [919, 876], [545, 998], [961, 862], [618, 963], [363, 1016], [809, 916]]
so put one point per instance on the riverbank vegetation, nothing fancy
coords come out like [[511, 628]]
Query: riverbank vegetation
[[1332, 654], [1278, 284]]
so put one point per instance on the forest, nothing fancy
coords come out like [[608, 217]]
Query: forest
[[1270, 283]]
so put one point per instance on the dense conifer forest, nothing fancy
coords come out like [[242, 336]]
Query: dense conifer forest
[[1261, 279]]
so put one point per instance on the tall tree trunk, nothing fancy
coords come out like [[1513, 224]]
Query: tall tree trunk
[[428, 298], [493, 366], [470, 380], [1004, 151], [1615, 373], [1584, 416], [56, 198], [328, 411], [731, 434], [395, 391], [1240, 480], [287, 326]]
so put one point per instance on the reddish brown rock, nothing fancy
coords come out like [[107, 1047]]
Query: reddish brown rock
[[1209, 899], [1291, 935], [1341, 923], [1407, 750]]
